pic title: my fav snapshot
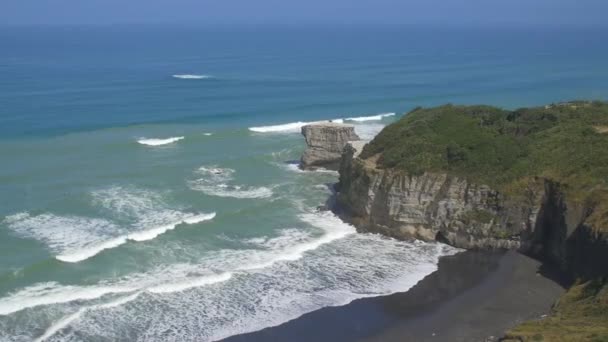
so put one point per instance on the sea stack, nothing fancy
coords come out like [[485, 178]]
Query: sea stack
[[325, 143]]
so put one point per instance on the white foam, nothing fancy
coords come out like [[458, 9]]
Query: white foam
[[54, 293], [296, 127], [190, 283], [208, 134], [192, 77], [140, 215], [150, 234], [217, 181], [159, 142], [295, 167], [292, 127], [198, 218], [90, 250], [73, 238], [173, 278], [320, 262], [66, 321], [370, 118]]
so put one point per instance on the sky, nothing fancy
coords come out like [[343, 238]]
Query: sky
[[438, 13]]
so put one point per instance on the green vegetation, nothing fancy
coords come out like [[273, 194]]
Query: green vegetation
[[566, 143], [580, 315]]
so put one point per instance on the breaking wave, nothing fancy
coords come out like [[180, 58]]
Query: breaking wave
[[268, 282], [192, 77], [292, 127], [377, 117], [218, 182], [159, 142], [295, 127], [141, 216]]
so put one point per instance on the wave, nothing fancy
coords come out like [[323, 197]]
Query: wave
[[296, 127], [217, 181], [273, 280], [377, 117], [138, 215], [79, 238], [189, 283], [66, 321], [295, 167], [292, 127], [192, 77], [175, 278], [54, 293], [139, 236], [159, 142]]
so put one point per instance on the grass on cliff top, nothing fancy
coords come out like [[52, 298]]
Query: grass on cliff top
[[565, 142], [581, 314]]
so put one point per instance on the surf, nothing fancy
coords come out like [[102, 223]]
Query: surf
[[191, 76], [138, 215], [295, 127], [159, 142], [216, 181]]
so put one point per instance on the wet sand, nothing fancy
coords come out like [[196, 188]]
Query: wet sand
[[473, 296]]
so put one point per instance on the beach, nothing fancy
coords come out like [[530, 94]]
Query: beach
[[473, 296]]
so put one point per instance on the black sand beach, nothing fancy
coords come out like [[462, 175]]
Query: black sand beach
[[473, 296]]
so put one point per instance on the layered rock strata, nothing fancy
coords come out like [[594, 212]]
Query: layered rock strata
[[325, 144]]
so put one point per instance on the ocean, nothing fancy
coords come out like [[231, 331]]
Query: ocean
[[149, 185]]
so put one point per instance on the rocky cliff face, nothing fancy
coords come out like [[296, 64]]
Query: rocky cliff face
[[325, 144], [438, 206]]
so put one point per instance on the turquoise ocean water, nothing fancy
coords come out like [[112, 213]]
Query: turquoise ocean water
[[149, 188]]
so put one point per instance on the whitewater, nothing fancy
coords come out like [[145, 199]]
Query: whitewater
[[232, 228], [150, 189]]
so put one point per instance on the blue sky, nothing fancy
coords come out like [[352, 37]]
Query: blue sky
[[543, 13]]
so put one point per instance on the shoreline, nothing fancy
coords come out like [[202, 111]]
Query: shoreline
[[473, 296]]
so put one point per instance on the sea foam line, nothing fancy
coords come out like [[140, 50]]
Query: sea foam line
[[163, 288], [370, 118], [159, 142], [215, 182], [192, 76], [295, 127], [292, 127], [144, 235], [67, 320], [161, 281]]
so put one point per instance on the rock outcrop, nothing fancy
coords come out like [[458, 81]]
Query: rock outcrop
[[442, 207], [325, 144]]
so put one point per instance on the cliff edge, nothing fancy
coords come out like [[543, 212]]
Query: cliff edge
[[479, 177]]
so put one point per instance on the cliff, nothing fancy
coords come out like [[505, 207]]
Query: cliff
[[431, 206], [478, 177], [439, 206], [325, 143]]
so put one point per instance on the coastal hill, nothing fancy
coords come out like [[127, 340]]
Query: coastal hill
[[479, 177]]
